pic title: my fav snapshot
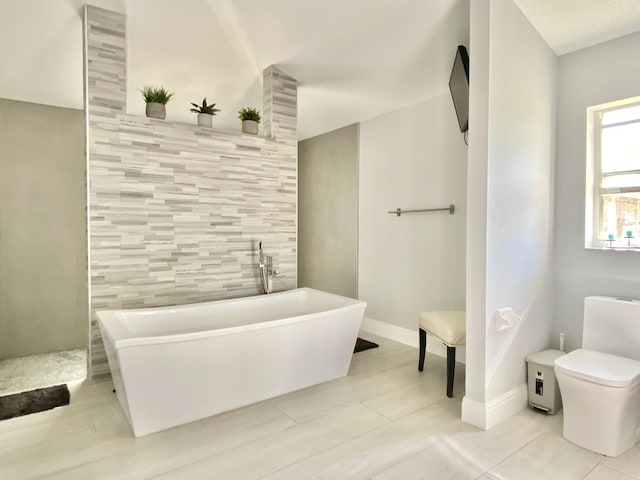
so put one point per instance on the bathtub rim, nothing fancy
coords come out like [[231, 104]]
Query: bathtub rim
[[109, 316]]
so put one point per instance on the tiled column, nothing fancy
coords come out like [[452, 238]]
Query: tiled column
[[105, 62], [280, 105]]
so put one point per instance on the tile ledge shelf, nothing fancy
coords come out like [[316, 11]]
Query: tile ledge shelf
[[128, 118]]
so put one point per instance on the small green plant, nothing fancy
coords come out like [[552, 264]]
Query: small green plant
[[204, 108], [156, 95], [249, 114]]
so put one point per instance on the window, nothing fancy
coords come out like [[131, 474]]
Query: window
[[613, 183]]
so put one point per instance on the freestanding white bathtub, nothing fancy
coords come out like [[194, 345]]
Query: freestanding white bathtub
[[173, 365]]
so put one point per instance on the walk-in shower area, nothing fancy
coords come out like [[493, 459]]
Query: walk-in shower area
[[43, 247]]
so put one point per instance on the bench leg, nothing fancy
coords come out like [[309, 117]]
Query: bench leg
[[451, 369], [423, 349]]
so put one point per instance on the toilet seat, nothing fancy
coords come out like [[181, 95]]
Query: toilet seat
[[601, 368]]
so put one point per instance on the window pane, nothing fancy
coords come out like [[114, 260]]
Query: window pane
[[621, 115], [621, 148], [616, 181], [620, 214]]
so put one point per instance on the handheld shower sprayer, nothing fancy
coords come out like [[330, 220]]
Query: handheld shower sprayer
[[265, 269]]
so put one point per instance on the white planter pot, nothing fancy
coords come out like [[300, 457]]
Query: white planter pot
[[205, 120], [156, 110], [250, 126]]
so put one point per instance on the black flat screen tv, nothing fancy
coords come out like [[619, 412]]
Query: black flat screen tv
[[459, 86]]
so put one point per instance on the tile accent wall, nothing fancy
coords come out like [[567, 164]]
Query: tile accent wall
[[176, 210]]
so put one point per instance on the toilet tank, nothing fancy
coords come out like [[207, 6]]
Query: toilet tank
[[612, 325]]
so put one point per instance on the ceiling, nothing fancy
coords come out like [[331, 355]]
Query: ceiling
[[353, 59], [570, 25]]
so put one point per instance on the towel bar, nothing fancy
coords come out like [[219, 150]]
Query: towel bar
[[399, 211]]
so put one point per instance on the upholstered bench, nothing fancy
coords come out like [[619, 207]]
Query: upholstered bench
[[448, 326]]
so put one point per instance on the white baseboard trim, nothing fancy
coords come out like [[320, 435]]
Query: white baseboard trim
[[392, 332], [487, 415], [408, 337]]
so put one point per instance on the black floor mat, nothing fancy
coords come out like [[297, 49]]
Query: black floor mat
[[33, 401], [362, 344]]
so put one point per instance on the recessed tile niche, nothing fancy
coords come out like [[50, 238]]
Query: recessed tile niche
[[176, 210]]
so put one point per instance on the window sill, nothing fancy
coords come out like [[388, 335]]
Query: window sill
[[614, 249]]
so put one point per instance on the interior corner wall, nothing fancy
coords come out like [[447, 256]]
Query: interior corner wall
[[592, 76], [476, 228], [177, 210], [518, 155], [43, 241], [414, 157], [328, 212], [522, 96]]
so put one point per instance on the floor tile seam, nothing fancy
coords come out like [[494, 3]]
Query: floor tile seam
[[636, 477], [398, 418], [58, 437], [164, 472], [479, 477], [391, 420], [107, 457], [345, 403], [404, 384], [272, 472], [57, 471], [398, 461], [358, 401], [46, 439], [409, 381], [363, 375], [93, 422], [296, 425], [119, 453], [489, 470], [353, 439], [320, 414], [281, 410], [593, 468]]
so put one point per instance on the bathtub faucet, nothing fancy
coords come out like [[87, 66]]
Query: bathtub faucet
[[265, 269]]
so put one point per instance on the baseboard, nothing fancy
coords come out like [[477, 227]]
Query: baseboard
[[392, 332], [408, 337], [487, 415]]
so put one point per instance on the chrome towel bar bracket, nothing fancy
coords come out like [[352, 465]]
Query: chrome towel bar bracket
[[398, 211]]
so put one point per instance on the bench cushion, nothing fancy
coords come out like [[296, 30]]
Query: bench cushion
[[448, 326]]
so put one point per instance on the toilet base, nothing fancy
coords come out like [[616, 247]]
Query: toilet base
[[599, 418]]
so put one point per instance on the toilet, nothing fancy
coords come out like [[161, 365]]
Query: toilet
[[600, 383]]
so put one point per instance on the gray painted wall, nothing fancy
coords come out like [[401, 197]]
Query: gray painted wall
[[328, 212], [591, 76], [412, 158], [43, 248]]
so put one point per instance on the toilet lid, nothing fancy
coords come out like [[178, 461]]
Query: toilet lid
[[599, 367]]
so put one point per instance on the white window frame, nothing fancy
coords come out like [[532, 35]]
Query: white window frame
[[594, 190]]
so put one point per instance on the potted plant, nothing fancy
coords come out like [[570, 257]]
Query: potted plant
[[156, 99], [205, 113], [250, 119]]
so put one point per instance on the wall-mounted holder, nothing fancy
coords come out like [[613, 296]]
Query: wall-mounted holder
[[505, 318]]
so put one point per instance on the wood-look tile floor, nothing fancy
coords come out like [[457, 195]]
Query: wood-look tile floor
[[384, 421]]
